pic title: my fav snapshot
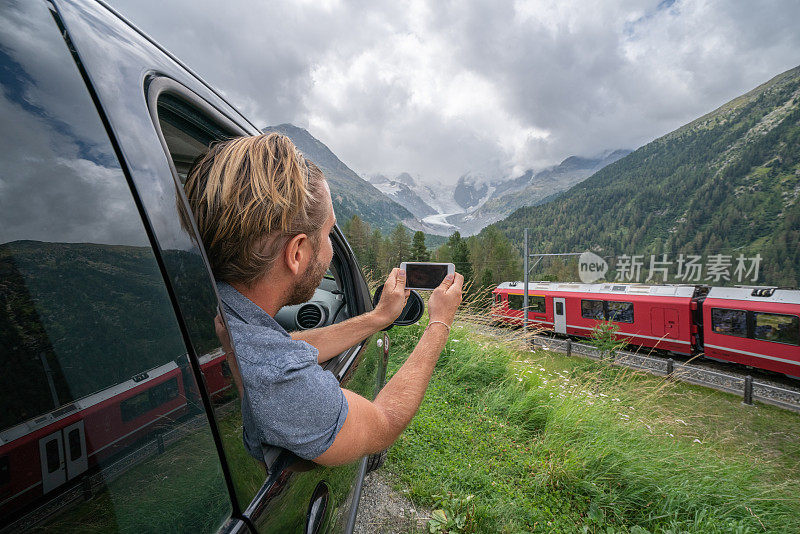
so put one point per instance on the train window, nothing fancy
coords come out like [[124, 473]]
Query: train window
[[593, 309], [53, 455], [620, 312], [74, 443], [84, 311], [535, 303], [515, 302], [777, 327], [729, 322]]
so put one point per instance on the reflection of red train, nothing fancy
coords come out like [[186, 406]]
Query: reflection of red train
[[759, 327], [44, 453]]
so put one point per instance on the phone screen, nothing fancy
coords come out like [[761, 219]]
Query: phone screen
[[425, 276]]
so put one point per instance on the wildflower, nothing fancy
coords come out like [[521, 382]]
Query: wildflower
[[697, 441]]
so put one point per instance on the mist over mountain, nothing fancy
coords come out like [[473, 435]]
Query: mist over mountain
[[531, 189], [402, 189]]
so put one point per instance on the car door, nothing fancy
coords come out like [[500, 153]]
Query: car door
[[103, 426], [293, 488], [139, 85]]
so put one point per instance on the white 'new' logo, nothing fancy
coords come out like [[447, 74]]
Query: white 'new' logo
[[591, 267]]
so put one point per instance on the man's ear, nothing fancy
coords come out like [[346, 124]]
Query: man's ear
[[295, 253]]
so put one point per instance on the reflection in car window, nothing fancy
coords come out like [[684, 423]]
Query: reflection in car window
[[188, 132], [101, 421]]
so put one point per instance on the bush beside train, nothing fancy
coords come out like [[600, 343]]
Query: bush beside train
[[753, 326]]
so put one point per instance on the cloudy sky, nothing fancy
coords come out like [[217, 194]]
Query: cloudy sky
[[442, 88]]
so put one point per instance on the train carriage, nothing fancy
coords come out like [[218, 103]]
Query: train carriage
[[759, 327], [657, 316], [754, 326]]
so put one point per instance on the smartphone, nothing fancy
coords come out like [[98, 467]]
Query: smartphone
[[426, 276]]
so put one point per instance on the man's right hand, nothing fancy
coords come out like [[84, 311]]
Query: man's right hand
[[445, 299], [373, 426]]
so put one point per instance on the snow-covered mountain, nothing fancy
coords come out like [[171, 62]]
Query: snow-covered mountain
[[531, 188], [480, 198]]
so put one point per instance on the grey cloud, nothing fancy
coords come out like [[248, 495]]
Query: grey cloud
[[375, 80]]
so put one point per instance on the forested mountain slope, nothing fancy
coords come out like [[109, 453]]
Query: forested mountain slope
[[726, 183]]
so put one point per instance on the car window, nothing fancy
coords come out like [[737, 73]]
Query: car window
[[188, 127], [188, 131], [101, 428]]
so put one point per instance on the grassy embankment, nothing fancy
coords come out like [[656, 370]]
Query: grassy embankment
[[547, 443]]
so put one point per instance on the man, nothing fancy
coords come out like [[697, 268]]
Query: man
[[265, 214]]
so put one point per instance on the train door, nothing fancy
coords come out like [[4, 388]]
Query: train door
[[559, 316], [54, 471], [75, 450], [63, 456], [664, 323]]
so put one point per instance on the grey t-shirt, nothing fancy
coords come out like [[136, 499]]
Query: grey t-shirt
[[290, 401]]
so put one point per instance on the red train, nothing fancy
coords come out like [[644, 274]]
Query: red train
[[755, 326], [43, 454]]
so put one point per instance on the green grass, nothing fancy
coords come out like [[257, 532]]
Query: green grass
[[554, 444]]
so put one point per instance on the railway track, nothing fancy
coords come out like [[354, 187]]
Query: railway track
[[753, 385]]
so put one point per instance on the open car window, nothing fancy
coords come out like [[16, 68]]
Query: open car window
[[188, 128]]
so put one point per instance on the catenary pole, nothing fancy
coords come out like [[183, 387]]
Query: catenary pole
[[525, 294]]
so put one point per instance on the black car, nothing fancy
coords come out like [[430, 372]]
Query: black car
[[120, 410]]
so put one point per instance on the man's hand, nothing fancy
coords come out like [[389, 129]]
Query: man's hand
[[373, 426], [445, 299], [393, 298]]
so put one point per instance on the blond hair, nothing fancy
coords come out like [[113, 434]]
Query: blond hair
[[249, 196]]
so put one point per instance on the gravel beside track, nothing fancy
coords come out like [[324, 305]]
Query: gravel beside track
[[382, 510]]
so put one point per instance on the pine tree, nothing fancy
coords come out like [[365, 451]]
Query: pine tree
[[357, 233], [399, 245], [459, 255], [373, 252], [487, 278], [419, 252]]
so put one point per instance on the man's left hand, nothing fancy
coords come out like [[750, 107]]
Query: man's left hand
[[393, 298]]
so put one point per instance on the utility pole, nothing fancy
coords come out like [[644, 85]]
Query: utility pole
[[527, 267], [525, 294]]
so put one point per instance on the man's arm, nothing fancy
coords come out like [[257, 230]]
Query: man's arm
[[373, 426], [334, 339]]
